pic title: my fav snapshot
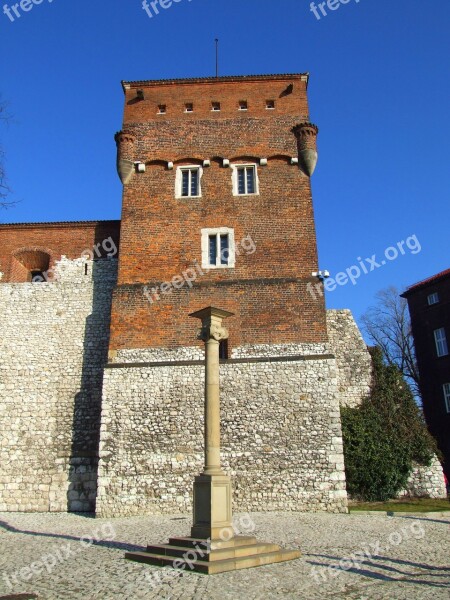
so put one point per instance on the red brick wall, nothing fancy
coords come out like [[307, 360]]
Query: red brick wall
[[161, 237], [55, 239]]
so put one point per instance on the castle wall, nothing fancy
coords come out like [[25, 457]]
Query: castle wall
[[53, 346], [19, 241], [281, 435], [352, 356], [427, 482]]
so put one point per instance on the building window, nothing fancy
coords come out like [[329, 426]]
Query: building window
[[245, 180], [215, 106], [243, 105], [223, 349], [441, 342], [188, 107], [218, 251], [446, 388], [270, 104], [162, 109], [433, 298], [187, 182]]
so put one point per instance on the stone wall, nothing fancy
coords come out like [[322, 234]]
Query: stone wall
[[281, 434], [427, 482], [53, 346], [352, 357]]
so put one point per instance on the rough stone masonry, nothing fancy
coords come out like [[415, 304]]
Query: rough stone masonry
[[101, 391]]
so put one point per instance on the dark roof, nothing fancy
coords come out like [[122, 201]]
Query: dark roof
[[214, 79], [428, 281], [58, 223]]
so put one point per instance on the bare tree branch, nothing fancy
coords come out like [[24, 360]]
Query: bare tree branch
[[388, 326]]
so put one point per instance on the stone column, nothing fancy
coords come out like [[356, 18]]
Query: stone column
[[212, 489]]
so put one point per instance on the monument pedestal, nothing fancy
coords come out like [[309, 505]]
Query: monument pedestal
[[212, 547], [213, 518], [217, 556]]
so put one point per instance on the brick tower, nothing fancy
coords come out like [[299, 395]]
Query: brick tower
[[217, 211]]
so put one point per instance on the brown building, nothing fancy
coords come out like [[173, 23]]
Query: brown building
[[429, 307]]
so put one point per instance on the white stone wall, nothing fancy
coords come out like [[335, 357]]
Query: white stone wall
[[352, 357], [427, 482], [281, 436], [53, 346]]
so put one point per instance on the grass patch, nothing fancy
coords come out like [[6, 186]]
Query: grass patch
[[404, 505]]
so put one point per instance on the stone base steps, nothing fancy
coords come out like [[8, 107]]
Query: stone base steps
[[202, 556]]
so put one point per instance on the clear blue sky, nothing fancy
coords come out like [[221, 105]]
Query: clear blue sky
[[379, 91]]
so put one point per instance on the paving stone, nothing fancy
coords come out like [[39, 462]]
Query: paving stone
[[353, 557]]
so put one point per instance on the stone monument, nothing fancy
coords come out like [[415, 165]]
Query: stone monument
[[213, 547]]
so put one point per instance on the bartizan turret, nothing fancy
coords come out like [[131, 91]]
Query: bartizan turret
[[125, 154], [306, 134]]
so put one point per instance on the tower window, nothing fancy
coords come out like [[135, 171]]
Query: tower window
[[218, 250], [441, 342], [162, 109], [270, 104], [245, 181], [446, 388], [433, 299], [188, 182], [188, 107], [215, 106], [243, 105]]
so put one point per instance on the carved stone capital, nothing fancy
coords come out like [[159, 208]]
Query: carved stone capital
[[214, 331]]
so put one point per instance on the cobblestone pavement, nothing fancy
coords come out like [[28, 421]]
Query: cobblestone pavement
[[50, 556]]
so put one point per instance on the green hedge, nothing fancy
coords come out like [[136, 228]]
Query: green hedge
[[384, 436]]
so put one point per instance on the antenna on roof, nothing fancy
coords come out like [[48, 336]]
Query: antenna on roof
[[217, 57]]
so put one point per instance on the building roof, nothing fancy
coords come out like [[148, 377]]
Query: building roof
[[57, 224], [428, 281], [227, 78]]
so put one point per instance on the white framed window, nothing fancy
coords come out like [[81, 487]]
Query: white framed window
[[446, 388], [215, 106], [243, 105], [441, 342], [245, 180], [270, 104], [433, 298], [218, 248], [162, 109], [188, 182], [189, 107]]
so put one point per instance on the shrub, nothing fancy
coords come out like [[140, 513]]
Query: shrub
[[384, 436]]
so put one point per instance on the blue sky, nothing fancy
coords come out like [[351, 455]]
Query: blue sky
[[379, 91]]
